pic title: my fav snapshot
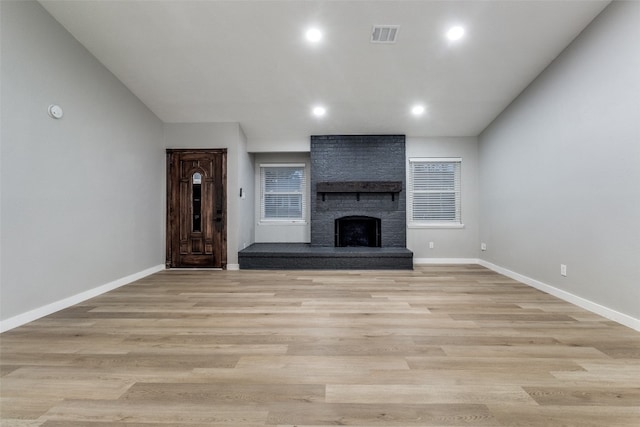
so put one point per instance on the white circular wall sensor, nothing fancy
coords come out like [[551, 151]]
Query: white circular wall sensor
[[55, 111]]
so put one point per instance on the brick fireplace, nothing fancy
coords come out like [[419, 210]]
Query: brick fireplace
[[357, 209], [358, 176]]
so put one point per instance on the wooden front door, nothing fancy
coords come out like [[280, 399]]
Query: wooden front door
[[196, 208]]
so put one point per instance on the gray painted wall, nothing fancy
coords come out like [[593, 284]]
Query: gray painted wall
[[560, 169], [246, 203], [276, 231], [299, 145], [449, 242], [82, 197]]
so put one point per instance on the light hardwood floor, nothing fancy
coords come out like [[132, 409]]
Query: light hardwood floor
[[437, 346]]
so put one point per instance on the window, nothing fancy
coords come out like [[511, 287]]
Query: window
[[283, 189], [434, 192]]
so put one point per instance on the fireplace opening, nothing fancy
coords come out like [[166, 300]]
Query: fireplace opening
[[357, 231]]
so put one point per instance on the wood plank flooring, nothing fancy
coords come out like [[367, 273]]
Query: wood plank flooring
[[437, 346]]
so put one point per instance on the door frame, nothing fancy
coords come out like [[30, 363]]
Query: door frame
[[171, 203]]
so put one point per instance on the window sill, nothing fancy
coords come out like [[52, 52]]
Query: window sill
[[418, 225], [282, 222]]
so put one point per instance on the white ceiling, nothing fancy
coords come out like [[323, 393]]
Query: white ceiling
[[248, 61]]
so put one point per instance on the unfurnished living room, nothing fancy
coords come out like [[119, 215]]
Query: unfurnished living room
[[313, 213]]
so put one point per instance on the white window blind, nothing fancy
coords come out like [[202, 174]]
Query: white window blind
[[283, 192], [434, 191]]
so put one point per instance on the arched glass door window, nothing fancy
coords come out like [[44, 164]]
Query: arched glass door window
[[196, 200]]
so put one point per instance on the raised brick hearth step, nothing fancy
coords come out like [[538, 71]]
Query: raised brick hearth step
[[303, 256]]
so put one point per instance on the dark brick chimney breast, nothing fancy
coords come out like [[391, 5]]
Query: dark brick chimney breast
[[358, 176]]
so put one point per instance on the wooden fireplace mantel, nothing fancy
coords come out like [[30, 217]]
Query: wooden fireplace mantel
[[358, 187]]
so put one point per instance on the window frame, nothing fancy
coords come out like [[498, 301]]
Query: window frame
[[303, 194], [457, 222]]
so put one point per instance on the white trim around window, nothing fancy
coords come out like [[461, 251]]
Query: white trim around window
[[434, 192], [283, 193]]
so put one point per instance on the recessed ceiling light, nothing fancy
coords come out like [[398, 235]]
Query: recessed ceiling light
[[319, 111], [313, 35], [455, 33], [417, 110]]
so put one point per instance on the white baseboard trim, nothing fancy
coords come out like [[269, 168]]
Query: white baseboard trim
[[233, 266], [601, 310], [428, 261], [35, 314]]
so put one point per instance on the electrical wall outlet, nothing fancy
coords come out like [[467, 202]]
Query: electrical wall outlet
[[431, 245], [563, 270], [483, 246]]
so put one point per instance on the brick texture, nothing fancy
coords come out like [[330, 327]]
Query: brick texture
[[358, 158]]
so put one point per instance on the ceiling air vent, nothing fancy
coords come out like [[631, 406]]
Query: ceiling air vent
[[384, 33]]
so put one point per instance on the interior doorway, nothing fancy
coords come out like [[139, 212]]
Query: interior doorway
[[196, 208]]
